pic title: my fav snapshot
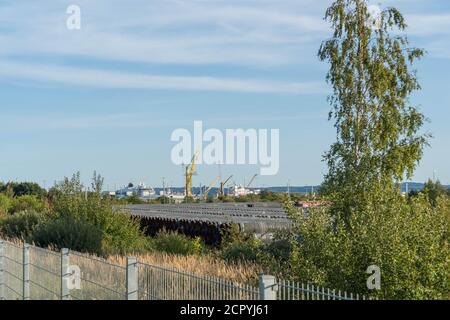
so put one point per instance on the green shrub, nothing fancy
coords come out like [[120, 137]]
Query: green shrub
[[26, 203], [18, 189], [121, 234], [241, 250], [408, 241], [279, 248], [175, 243], [20, 225], [5, 204], [66, 232]]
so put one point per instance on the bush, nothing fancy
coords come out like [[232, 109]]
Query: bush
[[241, 250], [26, 203], [279, 248], [121, 234], [20, 225], [18, 189], [175, 243], [66, 232], [5, 204], [408, 241]]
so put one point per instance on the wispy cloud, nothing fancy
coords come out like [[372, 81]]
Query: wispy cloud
[[186, 32], [15, 122], [173, 33], [124, 80], [30, 123], [429, 24]]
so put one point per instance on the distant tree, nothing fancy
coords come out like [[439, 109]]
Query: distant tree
[[97, 183], [266, 195], [434, 190], [18, 189]]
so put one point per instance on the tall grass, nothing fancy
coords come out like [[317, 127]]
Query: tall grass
[[206, 265]]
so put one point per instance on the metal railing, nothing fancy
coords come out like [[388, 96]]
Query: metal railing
[[157, 283], [289, 290], [32, 273]]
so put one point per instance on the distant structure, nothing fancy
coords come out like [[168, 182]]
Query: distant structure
[[242, 191], [189, 173], [309, 204], [174, 197], [142, 191]]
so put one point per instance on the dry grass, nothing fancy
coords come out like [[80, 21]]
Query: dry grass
[[207, 265]]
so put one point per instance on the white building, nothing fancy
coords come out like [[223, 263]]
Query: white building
[[141, 191], [240, 191]]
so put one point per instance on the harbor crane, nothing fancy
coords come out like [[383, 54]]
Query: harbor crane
[[251, 181], [205, 195], [222, 186], [189, 173]]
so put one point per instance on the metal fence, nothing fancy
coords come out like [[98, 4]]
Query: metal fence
[[32, 273], [289, 290], [156, 283]]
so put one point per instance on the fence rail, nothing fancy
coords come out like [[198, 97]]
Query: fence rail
[[32, 273]]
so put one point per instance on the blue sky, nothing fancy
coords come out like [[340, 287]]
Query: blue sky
[[108, 96]]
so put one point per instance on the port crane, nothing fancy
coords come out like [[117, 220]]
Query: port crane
[[189, 173], [205, 195], [251, 181], [222, 187]]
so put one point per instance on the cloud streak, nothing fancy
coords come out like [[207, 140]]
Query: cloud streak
[[124, 80], [178, 33]]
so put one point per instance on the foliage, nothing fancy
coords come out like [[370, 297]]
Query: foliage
[[26, 203], [371, 72], [23, 188], [274, 256], [241, 250], [67, 232], [20, 225], [408, 241], [434, 190], [175, 243], [5, 204], [368, 222], [120, 232]]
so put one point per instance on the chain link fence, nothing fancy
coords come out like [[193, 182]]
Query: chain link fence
[[32, 273]]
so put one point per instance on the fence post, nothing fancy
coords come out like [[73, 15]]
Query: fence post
[[65, 275], [2, 268], [26, 271], [132, 279], [267, 287]]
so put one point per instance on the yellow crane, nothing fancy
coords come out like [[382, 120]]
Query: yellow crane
[[189, 172]]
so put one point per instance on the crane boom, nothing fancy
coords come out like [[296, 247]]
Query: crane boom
[[252, 180], [205, 196], [190, 171], [222, 186]]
